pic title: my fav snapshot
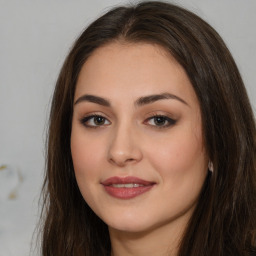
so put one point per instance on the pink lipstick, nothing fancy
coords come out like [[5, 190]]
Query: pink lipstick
[[126, 187]]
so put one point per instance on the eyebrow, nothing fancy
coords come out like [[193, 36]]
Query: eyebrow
[[93, 99], [139, 102], [155, 97]]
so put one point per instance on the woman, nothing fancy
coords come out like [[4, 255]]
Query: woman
[[151, 147]]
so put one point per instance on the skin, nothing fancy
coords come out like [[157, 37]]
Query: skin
[[129, 142]]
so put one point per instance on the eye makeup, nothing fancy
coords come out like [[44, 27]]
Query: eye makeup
[[94, 121], [160, 121], [156, 121]]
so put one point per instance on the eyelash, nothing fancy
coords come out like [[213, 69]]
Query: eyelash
[[84, 121], [166, 119]]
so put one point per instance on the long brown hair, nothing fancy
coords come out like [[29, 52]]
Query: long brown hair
[[224, 220]]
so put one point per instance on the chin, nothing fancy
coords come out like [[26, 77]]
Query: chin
[[130, 228], [130, 224]]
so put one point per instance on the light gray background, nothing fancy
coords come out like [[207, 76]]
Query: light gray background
[[35, 37]]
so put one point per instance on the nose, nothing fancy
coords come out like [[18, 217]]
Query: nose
[[124, 147]]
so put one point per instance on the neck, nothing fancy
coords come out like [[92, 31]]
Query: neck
[[160, 241]]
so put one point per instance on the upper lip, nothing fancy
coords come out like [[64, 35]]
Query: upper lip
[[126, 180]]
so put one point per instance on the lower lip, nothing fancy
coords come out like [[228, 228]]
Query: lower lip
[[126, 193]]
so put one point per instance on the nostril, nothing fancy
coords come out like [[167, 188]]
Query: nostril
[[121, 161], [122, 152]]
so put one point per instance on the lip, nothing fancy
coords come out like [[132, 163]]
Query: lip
[[141, 187]]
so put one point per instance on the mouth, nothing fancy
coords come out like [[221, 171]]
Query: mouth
[[129, 185], [126, 187]]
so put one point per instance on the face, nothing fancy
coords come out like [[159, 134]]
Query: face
[[136, 139]]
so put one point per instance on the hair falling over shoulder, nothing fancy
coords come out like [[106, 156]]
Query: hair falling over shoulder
[[224, 221]]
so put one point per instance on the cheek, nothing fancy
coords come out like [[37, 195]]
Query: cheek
[[181, 166], [86, 154], [179, 155]]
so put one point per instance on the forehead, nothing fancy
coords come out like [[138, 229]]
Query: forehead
[[130, 69]]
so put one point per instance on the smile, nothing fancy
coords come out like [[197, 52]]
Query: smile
[[126, 187], [129, 185]]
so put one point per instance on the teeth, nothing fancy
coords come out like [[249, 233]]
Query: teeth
[[129, 185]]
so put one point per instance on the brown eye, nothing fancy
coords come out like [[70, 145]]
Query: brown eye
[[99, 120], [160, 121], [94, 121]]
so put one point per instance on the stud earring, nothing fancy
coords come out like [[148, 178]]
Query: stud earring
[[210, 166]]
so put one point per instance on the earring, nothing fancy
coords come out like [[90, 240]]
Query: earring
[[210, 166]]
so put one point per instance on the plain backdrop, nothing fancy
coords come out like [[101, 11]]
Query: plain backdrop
[[35, 36]]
